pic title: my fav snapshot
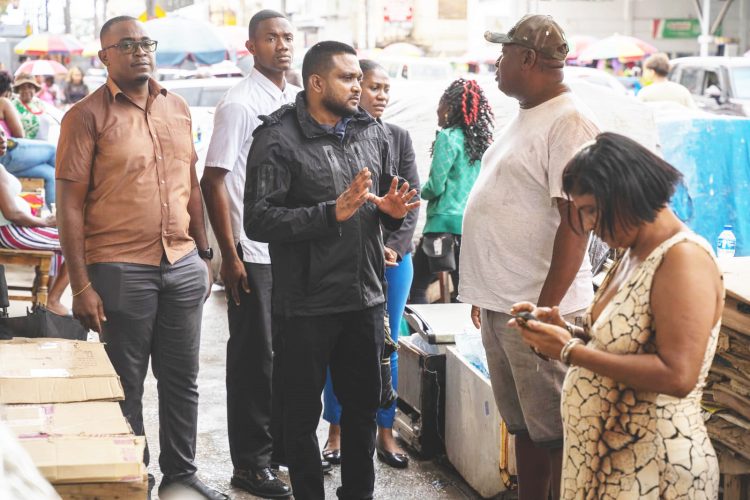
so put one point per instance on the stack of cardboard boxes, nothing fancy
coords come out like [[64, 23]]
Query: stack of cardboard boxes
[[727, 393], [60, 397]]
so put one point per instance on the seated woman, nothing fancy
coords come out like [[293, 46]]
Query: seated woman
[[631, 399], [22, 231], [25, 157]]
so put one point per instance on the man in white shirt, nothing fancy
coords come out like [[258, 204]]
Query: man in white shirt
[[656, 68], [518, 243], [246, 264]]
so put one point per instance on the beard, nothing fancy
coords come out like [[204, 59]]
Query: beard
[[339, 107], [142, 78]]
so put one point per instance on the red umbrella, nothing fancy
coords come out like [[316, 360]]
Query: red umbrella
[[577, 44], [616, 47], [42, 67], [42, 44]]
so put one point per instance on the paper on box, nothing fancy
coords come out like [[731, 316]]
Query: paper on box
[[87, 459], [56, 371], [72, 419]]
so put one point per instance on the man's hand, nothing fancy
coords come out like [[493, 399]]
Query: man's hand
[[89, 309], [391, 257], [476, 317], [355, 196], [396, 202], [210, 278], [234, 276]]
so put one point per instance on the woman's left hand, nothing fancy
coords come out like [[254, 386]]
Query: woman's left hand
[[543, 338]]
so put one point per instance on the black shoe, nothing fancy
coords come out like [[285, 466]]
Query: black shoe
[[324, 464], [332, 456], [395, 460], [261, 483], [171, 489]]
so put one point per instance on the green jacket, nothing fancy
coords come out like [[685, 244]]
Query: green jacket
[[451, 178]]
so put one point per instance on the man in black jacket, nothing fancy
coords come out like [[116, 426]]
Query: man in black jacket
[[314, 175]]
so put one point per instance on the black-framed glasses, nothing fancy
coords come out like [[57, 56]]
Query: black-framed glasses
[[130, 46]]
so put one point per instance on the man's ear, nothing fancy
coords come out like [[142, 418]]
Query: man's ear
[[250, 46], [317, 84], [529, 58], [104, 57]]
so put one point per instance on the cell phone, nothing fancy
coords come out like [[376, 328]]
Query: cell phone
[[523, 317]]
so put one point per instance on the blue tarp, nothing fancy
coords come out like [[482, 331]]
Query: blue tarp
[[180, 38], [714, 156]]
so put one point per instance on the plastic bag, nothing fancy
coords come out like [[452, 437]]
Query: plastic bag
[[470, 346]]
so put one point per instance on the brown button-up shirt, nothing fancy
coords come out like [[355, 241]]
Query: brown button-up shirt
[[137, 163]]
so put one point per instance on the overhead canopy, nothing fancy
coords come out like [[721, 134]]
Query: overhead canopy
[[181, 38], [616, 47], [42, 44]]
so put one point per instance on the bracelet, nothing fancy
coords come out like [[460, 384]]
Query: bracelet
[[568, 348], [79, 292], [571, 329]]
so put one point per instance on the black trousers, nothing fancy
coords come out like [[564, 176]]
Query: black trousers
[[249, 371], [351, 344], [423, 277]]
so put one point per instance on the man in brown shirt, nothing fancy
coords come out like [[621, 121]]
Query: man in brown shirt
[[131, 216]]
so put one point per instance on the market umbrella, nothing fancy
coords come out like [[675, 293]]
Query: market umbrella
[[92, 48], [180, 38], [234, 38], [41, 44], [616, 47], [42, 67], [577, 43]]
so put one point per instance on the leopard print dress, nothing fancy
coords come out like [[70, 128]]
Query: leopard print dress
[[626, 444]]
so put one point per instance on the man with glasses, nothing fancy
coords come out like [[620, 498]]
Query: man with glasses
[[131, 211]]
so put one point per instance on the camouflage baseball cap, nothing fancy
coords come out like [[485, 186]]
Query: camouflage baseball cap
[[537, 32]]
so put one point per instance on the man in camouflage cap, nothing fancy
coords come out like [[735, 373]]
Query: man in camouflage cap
[[536, 256]]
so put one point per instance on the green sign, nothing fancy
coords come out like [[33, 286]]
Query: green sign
[[677, 28]]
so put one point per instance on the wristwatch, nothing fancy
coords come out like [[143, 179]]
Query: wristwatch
[[207, 254]]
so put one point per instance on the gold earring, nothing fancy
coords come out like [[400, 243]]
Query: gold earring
[[445, 116]]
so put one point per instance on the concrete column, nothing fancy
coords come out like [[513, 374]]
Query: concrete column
[[744, 26], [705, 38]]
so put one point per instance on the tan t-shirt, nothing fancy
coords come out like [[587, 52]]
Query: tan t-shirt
[[512, 217], [137, 164], [667, 91]]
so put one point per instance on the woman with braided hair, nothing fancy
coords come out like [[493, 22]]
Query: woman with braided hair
[[466, 123]]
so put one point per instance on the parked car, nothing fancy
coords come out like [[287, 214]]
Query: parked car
[[718, 84], [595, 77], [202, 95]]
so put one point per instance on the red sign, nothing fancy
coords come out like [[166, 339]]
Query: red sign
[[398, 12]]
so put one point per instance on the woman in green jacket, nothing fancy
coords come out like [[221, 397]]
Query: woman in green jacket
[[466, 122]]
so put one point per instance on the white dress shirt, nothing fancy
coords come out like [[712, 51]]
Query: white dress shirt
[[237, 116]]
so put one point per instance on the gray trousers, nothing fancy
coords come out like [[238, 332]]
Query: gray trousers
[[155, 312]]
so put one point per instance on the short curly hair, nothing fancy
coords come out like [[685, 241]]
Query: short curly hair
[[6, 81], [658, 63]]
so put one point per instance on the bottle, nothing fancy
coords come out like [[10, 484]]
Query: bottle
[[726, 243]]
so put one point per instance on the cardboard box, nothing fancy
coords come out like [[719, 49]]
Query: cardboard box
[[130, 490], [72, 419], [56, 371], [72, 459], [475, 443]]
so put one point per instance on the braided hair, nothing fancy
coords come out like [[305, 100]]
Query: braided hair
[[468, 109]]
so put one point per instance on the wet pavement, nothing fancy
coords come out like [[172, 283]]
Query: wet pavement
[[422, 480]]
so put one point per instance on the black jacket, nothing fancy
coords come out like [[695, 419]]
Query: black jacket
[[295, 171], [405, 166]]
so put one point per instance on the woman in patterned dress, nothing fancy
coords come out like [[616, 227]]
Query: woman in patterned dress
[[631, 398]]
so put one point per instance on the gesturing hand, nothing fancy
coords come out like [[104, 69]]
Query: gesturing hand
[[355, 196], [396, 202]]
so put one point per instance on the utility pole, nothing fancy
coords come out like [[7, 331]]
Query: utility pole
[[66, 16], [705, 39], [150, 9]]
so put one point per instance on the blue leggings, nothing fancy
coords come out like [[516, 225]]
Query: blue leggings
[[399, 282], [32, 158]]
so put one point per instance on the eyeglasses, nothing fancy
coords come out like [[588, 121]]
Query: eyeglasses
[[130, 46]]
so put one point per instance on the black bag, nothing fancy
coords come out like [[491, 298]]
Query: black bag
[[387, 394], [440, 251], [41, 323]]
